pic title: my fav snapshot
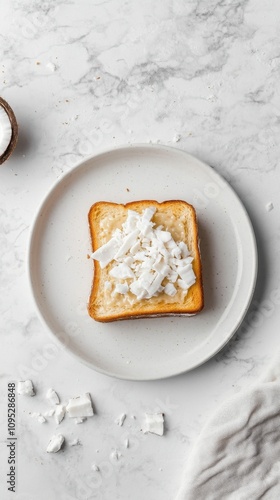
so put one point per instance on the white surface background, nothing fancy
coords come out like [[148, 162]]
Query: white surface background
[[89, 75]]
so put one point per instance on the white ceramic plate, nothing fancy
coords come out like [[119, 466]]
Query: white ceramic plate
[[61, 273]]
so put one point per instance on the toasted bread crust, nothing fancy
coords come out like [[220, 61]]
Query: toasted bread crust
[[145, 308]]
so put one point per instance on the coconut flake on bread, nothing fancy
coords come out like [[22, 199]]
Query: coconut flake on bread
[[146, 260]]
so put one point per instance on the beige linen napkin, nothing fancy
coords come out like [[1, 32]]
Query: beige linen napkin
[[237, 455]]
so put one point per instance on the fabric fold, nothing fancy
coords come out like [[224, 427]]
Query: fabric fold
[[237, 455]]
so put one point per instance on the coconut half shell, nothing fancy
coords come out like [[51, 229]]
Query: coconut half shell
[[7, 153]]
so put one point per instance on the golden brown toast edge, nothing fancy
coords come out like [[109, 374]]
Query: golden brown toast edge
[[197, 266]]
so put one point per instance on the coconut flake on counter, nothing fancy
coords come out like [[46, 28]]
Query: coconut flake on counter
[[154, 423], [40, 418], [49, 413], [75, 442], [116, 455], [80, 420], [95, 468], [176, 138], [51, 66], [126, 443], [269, 206], [59, 413], [25, 388], [120, 419], [145, 256], [55, 443], [52, 397], [80, 406]]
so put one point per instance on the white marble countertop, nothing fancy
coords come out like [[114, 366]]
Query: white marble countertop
[[82, 76]]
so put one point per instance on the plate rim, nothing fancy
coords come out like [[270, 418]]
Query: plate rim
[[32, 231]]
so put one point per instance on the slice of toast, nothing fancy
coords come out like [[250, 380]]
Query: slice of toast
[[177, 217]]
